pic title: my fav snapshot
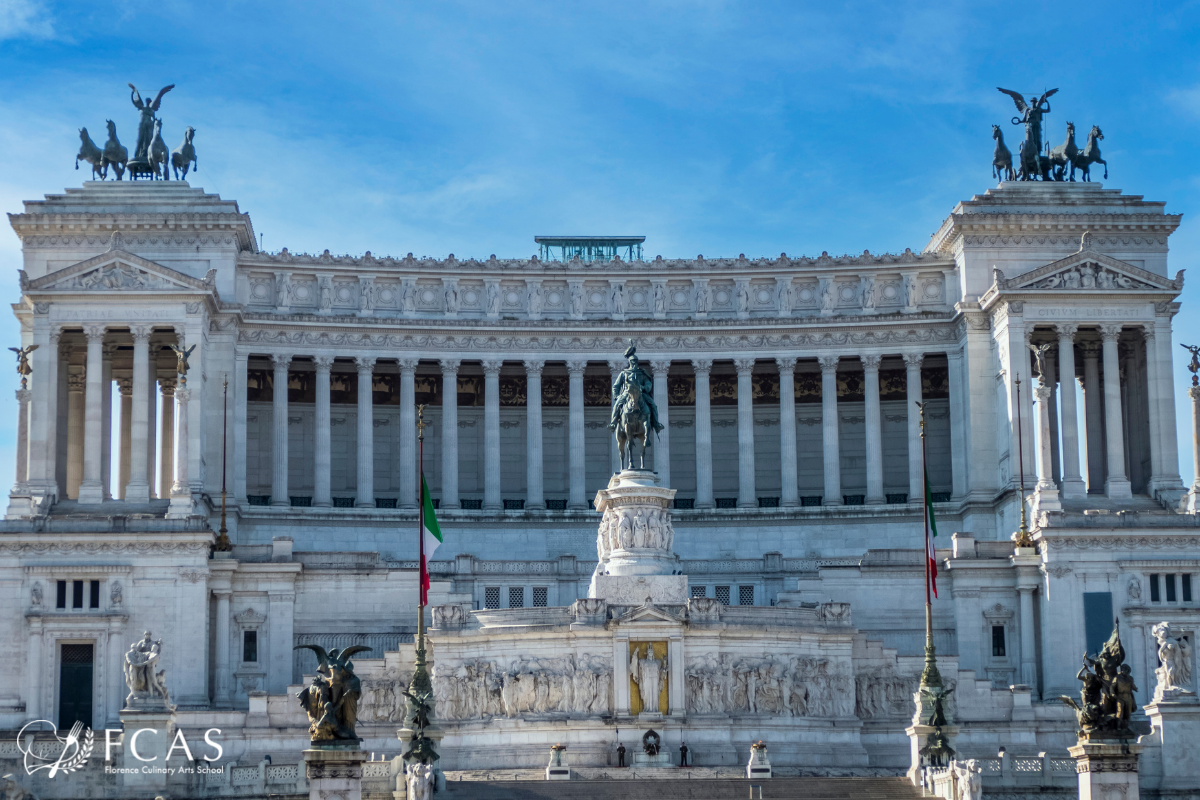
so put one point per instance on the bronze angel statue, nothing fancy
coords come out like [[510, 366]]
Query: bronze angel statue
[[181, 360], [331, 701], [1193, 365], [1032, 163], [25, 370]]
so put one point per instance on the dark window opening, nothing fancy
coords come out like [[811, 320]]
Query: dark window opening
[[768, 502], [685, 502], [1097, 619], [699, 591], [343, 502], [258, 499], [897, 498], [1155, 596], [745, 595], [556, 505], [76, 594], [516, 597], [61, 601], [249, 645], [723, 595], [301, 502], [998, 650], [1186, 580], [75, 685], [93, 594], [514, 505], [811, 500], [1170, 581], [468, 504], [385, 502], [491, 597], [726, 502], [540, 596], [854, 499]]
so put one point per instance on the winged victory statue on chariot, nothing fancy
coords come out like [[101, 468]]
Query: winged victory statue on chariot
[[151, 158], [1054, 163]]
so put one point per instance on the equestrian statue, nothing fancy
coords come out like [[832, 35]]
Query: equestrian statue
[[634, 412]]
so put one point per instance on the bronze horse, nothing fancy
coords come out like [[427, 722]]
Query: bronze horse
[[1002, 168], [1090, 155], [632, 428]]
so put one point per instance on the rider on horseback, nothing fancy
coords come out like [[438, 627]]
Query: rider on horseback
[[620, 391]]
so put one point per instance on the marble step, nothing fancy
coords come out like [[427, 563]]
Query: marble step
[[687, 789]]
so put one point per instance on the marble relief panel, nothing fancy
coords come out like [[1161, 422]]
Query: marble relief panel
[[387, 294], [556, 297], [471, 296], [679, 296], [512, 296], [428, 295], [722, 292], [639, 297], [345, 292], [262, 290], [595, 296], [302, 292], [763, 295]]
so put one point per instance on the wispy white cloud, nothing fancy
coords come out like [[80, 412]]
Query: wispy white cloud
[[25, 19]]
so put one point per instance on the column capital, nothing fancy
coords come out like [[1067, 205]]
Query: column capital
[[140, 333], [323, 363], [168, 386], [1110, 333], [913, 360], [534, 366], [660, 366], [364, 363], [126, 386], [786, 363], [408, 364], [1148, 331], [702, 365], [576, 367], [450, 365], [23, 395], [1067, 330], [744, 366], [76, 382], [183, 394], [1090, 349], [94, 333], [828, 363], [283, 360], [1042, 392], [871, 362], [56, 335], [615, 365], [492, 366]]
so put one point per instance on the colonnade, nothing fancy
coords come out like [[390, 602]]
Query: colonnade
[[65, 431], [578, 456]]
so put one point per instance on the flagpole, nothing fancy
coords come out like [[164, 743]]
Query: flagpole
[[930, 677], [1023, 537], [223, 544], [421, 572]]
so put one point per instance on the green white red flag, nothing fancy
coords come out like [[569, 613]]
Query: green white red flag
[[431, 538]]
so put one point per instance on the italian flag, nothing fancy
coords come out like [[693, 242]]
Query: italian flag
[[930, 533], [431, 538]]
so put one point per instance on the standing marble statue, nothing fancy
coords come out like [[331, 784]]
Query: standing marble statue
[[147, 685], [1175, 658], [648, 671]]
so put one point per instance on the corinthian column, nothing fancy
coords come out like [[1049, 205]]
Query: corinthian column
[[1046, 493], [366, 432], [181, 488], [279, 428], [1072, 481], [747, 496], [408, 433], [704, 484], [874, 427], [138, 488], [575, 499], [450, 433], [125, 446], [534, 497], [1193, 495], [166, 462], [491, 435], [916, 479], [322, 456], [76, 384], [662, 441], [789, 493], [829, 431], [1117, 485], [1093, 417], [21, 484], [91, 490]]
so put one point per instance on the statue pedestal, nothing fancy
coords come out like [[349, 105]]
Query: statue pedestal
[[1175, 728], [1107, 769], [559, 769], [759, 765], [637, 560], [435, 734], [334, 773], [661, 760], [918, 736], [144, 744]]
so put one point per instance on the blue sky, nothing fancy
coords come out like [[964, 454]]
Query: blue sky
[[709, 127]]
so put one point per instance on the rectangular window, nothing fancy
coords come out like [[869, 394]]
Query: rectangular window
[[685, 502], [93, 594], [249, 645], [723, 595], [491, 597], [998, 641], [1170, 581], [76, 594], [516, 597], [540, 596], [1097, 619], [726, 502], [1186, 580], [62, 595], [699, 591], [745, 595], [1155, 596]]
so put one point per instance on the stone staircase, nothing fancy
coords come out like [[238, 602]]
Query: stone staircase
[[688, 789]]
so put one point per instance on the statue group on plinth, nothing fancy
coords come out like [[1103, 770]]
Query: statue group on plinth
[[146, 683], [1055, 164], [331, 700], [634, 412], [1106, 701], [151, 157]]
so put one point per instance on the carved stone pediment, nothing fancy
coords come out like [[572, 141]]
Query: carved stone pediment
[[120, 271], [648, 613], [250, 618], [1088, 270]]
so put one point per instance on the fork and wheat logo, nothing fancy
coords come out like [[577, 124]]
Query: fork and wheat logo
[[76, 750]]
